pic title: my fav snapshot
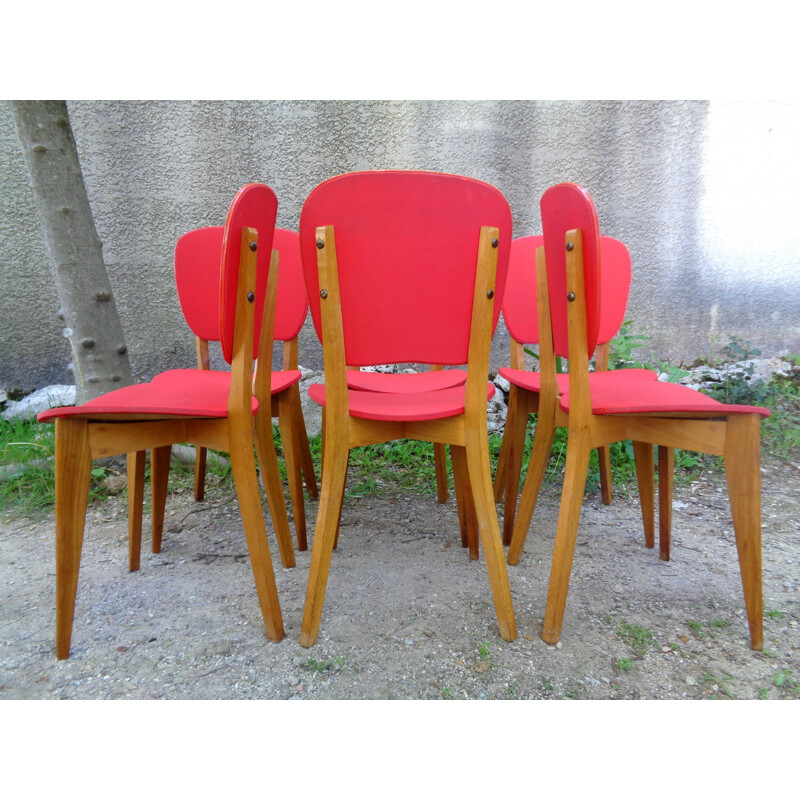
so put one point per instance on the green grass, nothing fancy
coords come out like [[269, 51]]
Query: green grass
[[408, 466], [636, 637]]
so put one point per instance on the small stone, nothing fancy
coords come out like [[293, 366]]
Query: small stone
[[558, 645], [617, 589], [666, 649], [115, 483], [691, 681]]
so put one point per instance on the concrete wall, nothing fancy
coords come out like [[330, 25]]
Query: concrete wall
[[703, 194]]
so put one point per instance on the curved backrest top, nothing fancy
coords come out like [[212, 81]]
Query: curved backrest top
[[198, 256], [566, 207], [519, 302], [407, 247], [255, 206]]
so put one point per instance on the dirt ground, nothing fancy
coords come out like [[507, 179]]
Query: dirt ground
[[407, 614]]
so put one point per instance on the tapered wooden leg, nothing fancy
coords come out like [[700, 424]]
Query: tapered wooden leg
[[537, 465], [645, 477], [270, 475], [506, 446], [516, 429], [302, 444], [341, 505], [159, 483], [440, 464], [604, 461], [245, 479], [73, 470], [578, 452], [666, 470], [136, 462], [200, 455], [465, 500], [289, 440], [477, 455], [334, 473], [743, 475]]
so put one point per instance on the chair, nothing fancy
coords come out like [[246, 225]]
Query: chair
[[616, 407], [522, 321], [433, 380], [197, 260], [403, 267], [201, 411]]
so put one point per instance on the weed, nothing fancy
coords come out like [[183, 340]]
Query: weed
[[624, 664], [548, 687], [775, 614], [783, 679], [446, 694], [636, 637], [720, 684], [483, 650], [762, 694], [720, 623], [695, 626], [312, 665]]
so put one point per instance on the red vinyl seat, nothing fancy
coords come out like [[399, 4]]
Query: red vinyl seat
[[405, 267], [569, 270], [160, 413]]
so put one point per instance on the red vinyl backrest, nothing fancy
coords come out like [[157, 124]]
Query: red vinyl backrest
[[197, 263], [255, 206], [565, 207], [519, 302], [407, 247]]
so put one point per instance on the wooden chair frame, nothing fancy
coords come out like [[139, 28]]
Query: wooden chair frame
[[735, 436], [80, 439], [466, 433]]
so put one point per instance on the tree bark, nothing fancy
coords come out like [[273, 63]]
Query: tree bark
[[100, 356]]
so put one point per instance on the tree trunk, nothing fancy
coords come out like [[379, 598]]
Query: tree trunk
[[100, 355]]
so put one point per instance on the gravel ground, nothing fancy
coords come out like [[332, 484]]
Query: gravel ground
[[407, 614]]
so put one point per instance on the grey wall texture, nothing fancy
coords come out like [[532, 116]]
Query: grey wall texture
[[703, 193]]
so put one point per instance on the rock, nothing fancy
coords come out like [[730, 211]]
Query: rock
[[115, 483], [40, 400]]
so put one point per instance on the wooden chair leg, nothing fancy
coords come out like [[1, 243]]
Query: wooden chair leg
[[506, 446], [136, 462], [515, 431], [465, 500], [294, 476], [243, 466], [743, 475], [477, 456], [159, 483], [303, 447], [578, 452], [537, 465], [440, 464], [270, 475], [341, 504], [200, 455], [334, 474], [73, 471], [666, 470], [604, 461], [645, 477]]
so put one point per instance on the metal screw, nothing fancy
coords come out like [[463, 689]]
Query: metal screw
[[494, 242], [250, 295], [490, 293], [570, 245], [253, 245], [320, 244], [570, 296], [323, 294]]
